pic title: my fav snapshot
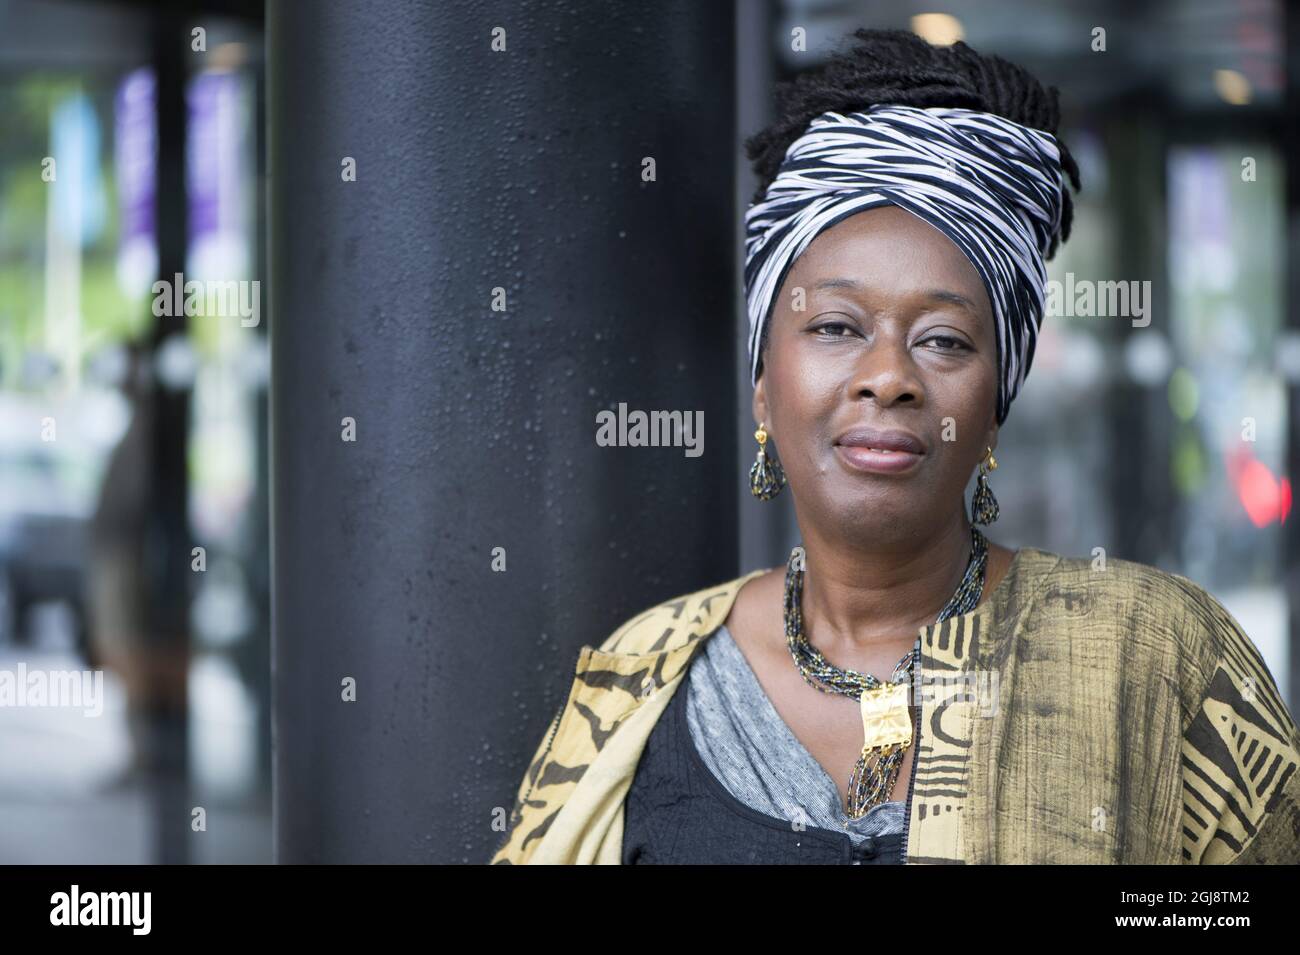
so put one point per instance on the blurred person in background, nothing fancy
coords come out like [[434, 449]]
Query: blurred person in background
[[117, 578]]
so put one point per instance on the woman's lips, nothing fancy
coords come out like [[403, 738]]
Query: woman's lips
[[876, 462]]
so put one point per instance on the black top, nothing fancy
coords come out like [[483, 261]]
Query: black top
[[677, 812]]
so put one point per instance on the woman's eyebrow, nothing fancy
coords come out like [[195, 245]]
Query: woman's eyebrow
[[953, 298], [836, 283], [935, 294]]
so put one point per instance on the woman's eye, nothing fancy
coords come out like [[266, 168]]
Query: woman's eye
[[832, 329], [947, 343]]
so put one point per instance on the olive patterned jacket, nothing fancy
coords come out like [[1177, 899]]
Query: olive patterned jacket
[[1086, 712]]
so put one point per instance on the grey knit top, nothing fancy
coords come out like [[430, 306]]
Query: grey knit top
[[750, 749]]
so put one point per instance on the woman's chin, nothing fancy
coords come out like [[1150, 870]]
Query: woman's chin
[[881, 518]]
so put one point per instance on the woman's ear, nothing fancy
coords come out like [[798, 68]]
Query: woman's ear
[[759, 405], [991, 435], [990, 442]]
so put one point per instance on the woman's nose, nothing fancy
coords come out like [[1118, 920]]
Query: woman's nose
[[887, 373]]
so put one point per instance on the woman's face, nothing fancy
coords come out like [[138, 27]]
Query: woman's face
[[895, 334]]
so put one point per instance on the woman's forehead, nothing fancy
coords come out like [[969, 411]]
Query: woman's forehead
[[887, 250]]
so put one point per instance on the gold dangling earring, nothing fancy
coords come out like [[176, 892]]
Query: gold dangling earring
[[766, 477], [983, 505]]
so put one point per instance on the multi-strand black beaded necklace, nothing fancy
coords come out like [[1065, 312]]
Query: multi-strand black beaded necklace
[[887, 727]]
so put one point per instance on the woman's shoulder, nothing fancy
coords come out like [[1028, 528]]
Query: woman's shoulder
[[1115, 580], [678, 620], [1137, 599]]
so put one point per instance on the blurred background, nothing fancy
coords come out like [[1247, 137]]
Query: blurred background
[[134, 461], [126, 439]]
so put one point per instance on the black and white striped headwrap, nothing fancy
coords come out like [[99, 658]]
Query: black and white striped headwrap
[[992, 186]]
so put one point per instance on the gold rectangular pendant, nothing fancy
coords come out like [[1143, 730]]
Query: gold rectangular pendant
[[884, 716]]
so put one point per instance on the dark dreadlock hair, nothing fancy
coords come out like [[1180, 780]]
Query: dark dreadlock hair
[[899, 68]]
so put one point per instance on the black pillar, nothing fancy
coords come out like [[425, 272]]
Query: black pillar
[[168, 577], [479, 171]]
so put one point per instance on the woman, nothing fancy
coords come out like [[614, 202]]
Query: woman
[[1052, 709]]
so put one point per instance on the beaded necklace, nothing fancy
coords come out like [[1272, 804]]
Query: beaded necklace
[[886, 725]]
